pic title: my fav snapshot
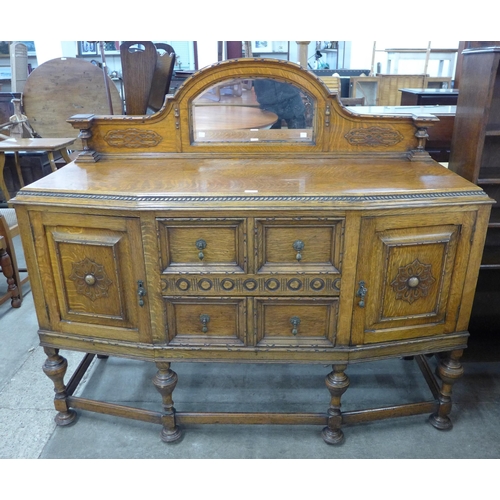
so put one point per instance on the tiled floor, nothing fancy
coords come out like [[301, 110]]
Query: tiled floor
[[27, 428]]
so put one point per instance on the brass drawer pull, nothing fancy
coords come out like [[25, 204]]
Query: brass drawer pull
[[361, 293], [201, 245], [141, 291], [204, 318], [298, 246], [295, 321]]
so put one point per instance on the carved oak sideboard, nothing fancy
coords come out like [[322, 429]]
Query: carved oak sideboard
[[201, 234]]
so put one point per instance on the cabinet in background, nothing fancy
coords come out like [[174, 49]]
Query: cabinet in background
[[475, 155], [384, 90], [475, 148]]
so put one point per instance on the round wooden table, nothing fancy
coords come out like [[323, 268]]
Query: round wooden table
[[222, 117]]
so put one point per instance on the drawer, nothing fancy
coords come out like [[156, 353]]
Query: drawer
[[202, 245], [198, 321], [299, 245], [295, 322]]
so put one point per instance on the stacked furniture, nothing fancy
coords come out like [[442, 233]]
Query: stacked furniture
[[384, 90], [339, 243], [475, 155]]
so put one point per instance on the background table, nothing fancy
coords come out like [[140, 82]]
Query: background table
[[48, 146]]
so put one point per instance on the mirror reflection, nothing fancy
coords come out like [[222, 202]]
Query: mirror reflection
[[253, 110]]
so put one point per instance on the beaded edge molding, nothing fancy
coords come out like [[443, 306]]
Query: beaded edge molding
[[191, 199]]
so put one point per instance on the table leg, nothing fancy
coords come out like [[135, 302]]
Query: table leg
[[449, 371], [55, 368], [53, 167], [337, 383], [8, 272], [165, 381], [3, 186], [64, 153], [18, 169]]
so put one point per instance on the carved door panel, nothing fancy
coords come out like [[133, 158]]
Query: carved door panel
[[95, 268], [410, 277]]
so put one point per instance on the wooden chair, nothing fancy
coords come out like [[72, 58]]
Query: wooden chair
[[138, 66], [162, 76], [8, 261]]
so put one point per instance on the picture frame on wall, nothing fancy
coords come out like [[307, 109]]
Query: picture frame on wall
[[4, 48], [262, 46], [93, 49], [87, 48], [280, 47], [111, 48]]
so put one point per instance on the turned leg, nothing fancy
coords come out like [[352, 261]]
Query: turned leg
[[8, 272], [449, 371], [65, 155], [165, 381], [337, 383], [52, 161], [55, 368]]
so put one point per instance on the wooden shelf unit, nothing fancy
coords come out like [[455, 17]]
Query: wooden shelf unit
[[384, 90], [475, 149]]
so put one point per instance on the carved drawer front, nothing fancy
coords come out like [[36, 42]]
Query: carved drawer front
[[202, 245], [95, 271], [411, 273], [303, 244], [199, 321], [295, 322]]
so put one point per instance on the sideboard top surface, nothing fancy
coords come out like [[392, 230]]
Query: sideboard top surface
[[161, 183], [334, 158]]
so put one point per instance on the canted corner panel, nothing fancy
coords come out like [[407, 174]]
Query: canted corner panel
[[298, 245], [410, 283], [91, 277], [417, 274], [202, 245]]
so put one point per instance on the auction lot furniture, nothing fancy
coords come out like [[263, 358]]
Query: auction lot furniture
[[339, 243], [384, 90], [475, 155], [48, 146], [429, 97]]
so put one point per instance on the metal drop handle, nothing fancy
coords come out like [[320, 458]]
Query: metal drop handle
[[141, 291], [201, 245], [362, 290], [298, 246], [204, 318], [295, 321]]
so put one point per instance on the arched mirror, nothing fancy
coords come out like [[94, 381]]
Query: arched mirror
[[253, 110]]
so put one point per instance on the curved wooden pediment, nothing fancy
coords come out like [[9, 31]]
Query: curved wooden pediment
[[200, 118]]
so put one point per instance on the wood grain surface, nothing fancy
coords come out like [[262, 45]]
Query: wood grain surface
[[61, 88]]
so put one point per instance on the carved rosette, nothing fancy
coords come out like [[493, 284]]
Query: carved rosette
[[374, 136], [413, 281], [90, 279], [132, 138]]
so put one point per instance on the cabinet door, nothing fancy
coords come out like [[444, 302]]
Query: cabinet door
[[410, 277], [91, 268]]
